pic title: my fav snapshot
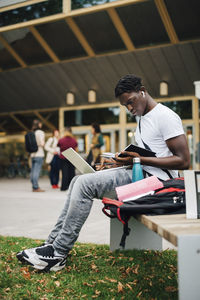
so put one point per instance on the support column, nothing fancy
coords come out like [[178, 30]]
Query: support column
[[61, 122], [189, 267], [122, 132], [195, 116]]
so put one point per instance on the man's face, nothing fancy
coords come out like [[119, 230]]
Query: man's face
[[135, 102]]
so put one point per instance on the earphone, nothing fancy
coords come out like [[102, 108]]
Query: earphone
[[143, 94]]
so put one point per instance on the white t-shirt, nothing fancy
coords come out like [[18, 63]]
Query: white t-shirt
[[40, 139], [157, 126]]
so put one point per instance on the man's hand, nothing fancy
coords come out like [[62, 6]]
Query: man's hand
[[108, 163], [126, 160]]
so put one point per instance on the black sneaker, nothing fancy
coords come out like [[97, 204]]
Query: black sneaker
[[43, 258]]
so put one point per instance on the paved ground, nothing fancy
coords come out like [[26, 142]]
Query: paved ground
[[28, 214]]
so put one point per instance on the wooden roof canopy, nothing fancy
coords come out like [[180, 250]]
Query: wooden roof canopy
[[91, 48]]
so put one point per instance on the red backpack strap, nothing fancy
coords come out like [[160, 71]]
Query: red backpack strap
[[170, 190], [111, 201]]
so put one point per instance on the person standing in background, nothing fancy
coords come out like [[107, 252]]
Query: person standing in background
[[67, 169], [52, 158], [97, 143], [37, 157]]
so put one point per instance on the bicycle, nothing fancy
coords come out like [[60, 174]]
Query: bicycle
[[19, 168]]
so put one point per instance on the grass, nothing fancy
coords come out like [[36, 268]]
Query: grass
[[92, 271]]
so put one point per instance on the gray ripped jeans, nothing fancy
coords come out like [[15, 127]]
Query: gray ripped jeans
[[82, 190]]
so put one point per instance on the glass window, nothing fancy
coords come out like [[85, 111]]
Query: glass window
[[182, 108], [30, 12], [87, 3], [130, 136], [85, 117], [130, 118]]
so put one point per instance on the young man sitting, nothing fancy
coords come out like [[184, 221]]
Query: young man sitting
[[158, 127]]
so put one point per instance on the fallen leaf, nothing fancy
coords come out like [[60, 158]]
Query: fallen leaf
[[128, 270], [8, 269], [37, 241], [120, 287], [130, 287], [88, 284], [114, 261], [110, 279], [93, 266], [170, 289], [18, 286], [101, 281], [131, 259], [97, 292], [26, 273], [135, 271], [87, 255], [139, 294], [57, 283]]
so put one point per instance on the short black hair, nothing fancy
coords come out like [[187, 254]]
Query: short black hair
[[128, 83]]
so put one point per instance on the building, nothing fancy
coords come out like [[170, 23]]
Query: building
[[62, 68]]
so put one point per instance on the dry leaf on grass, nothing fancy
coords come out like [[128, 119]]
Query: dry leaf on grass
[[120, 287], [101, 281], [135, 269], [128, 270], [170, 289], [93, 266], [130, 287], [110, 279], [139, 294], [25, 272], [97, 294], [57, 283], [88, 284]]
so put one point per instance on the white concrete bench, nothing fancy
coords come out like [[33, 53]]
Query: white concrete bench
[[147, 232]]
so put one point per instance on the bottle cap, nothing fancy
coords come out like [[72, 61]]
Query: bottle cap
[[136, 159]]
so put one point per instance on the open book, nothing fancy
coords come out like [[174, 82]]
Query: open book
[[131, 148], [135, 190]]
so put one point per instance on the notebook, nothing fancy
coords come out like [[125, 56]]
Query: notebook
[[138, 189], [81, 164], [141, 151]]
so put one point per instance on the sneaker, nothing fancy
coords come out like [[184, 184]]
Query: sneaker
[[44, 258], [38, 190], [20, 256], [55, 186]]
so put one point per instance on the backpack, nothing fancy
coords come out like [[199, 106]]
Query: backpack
[[169, 199], [30, 142]]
